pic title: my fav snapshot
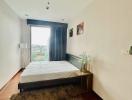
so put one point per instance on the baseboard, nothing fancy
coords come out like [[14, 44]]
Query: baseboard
[[21, 69], [98, 95]]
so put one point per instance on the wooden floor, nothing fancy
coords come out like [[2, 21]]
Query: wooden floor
[[12, 88]]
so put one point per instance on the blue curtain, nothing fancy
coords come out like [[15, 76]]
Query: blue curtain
[[58, 38], [58, 43]]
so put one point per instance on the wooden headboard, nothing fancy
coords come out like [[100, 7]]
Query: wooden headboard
[[74, 60]]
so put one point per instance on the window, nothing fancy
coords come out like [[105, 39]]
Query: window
[[40, 43]]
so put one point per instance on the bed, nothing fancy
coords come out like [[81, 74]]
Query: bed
[[50, 73], [37, 71]]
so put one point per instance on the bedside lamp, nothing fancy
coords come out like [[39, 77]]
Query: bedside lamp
[[85, 61]]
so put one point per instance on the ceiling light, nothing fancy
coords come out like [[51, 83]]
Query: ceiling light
[[47, 8], [48, 5]]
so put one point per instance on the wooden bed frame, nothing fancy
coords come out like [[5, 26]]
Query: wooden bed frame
[[62, 81]]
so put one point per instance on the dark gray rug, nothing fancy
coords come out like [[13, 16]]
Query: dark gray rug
[[68, 92]]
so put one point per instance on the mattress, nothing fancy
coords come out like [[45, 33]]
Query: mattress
[[47, 70]]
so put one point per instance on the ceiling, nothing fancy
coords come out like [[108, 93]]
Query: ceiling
[[60, 10]]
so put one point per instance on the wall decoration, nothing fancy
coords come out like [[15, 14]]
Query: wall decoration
[[80, 28], [71, 32], [130, 51]]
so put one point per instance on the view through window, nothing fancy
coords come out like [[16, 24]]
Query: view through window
[[40, 43]]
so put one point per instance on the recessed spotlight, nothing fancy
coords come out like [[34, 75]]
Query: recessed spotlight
[[26, 15], [63, 19], [47, 8], [48, 5]]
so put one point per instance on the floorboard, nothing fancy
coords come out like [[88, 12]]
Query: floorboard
[[10, 88]]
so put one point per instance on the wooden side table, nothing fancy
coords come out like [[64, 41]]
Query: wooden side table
[[86, 80]]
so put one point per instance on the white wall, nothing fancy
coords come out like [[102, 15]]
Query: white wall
[[9, 40], [107, 37]]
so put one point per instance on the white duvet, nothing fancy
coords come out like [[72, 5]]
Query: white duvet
[[47, 70]]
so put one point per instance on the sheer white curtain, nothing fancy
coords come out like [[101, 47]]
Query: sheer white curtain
[[25, 44]]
